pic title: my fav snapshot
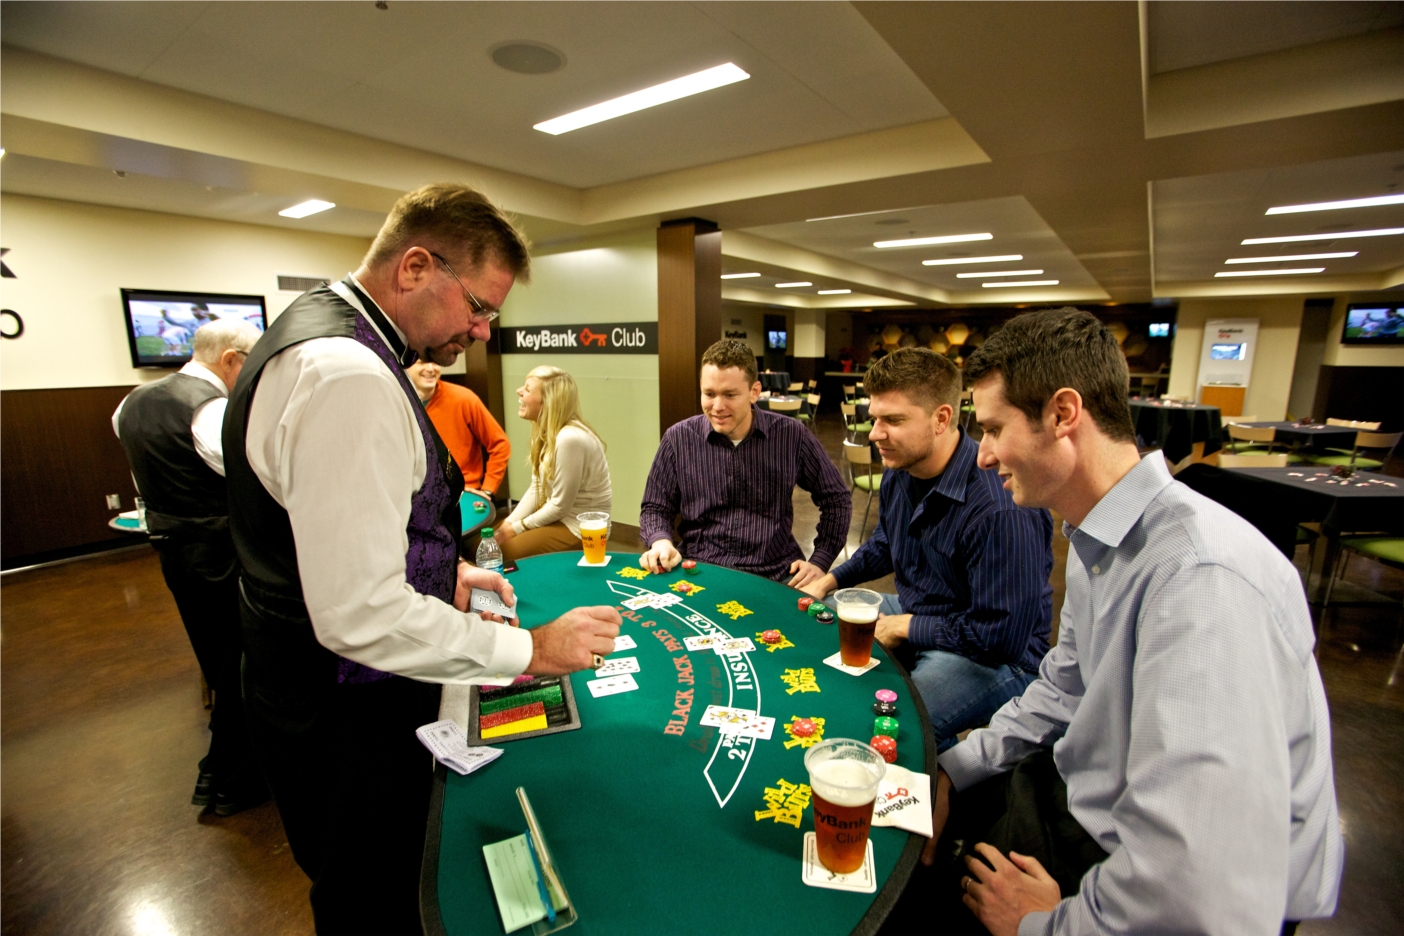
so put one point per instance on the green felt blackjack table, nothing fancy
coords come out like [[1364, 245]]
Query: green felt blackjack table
[[651, 817]]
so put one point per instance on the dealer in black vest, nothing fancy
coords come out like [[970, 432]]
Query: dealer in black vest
[[344, 510], [170, 430]]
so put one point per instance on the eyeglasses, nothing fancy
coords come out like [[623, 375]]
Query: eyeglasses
[[481, 313]]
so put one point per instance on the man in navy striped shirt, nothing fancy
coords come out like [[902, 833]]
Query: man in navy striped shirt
[[730, 475], [973, 598]]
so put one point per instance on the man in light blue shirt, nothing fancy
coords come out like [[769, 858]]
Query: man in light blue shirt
[[1182, 704]]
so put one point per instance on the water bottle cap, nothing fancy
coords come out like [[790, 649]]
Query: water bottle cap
[[487, 532]]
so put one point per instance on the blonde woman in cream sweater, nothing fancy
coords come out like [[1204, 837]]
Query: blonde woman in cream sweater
[[569, 473]]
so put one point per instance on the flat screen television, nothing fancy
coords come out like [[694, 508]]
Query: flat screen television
[[161, 324], [1373, 323], [1228, 352], [775, 340], [1160, 330]]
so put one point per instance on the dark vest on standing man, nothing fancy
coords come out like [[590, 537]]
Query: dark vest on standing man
[[177, 485], [337, 737]]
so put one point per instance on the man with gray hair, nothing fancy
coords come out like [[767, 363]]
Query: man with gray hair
[[170, 430]]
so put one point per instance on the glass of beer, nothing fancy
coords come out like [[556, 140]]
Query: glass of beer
[[844, 777], [594, 534], [857, 619]]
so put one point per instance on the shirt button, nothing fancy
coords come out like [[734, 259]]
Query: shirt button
[[1096, 570]]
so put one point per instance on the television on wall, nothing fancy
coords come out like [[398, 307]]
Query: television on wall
[[161, 324], [1228, 352], [775, 340], [1373, 323]]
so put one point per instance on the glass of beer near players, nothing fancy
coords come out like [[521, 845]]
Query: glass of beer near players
[[857, 620], [594, 535], [843, 776]]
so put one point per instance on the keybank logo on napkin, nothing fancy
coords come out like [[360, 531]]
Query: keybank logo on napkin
[[613, 338]]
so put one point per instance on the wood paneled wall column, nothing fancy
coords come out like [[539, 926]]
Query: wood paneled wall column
[[689, 312]]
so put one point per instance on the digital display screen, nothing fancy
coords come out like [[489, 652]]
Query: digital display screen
[[1228, 352], [161, 325], [1374, 324], [1160, 330], [775, 340]]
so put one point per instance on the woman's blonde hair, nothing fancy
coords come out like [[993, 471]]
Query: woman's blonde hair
[[560, 407]]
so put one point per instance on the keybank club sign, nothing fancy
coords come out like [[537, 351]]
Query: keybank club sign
[[619, 338]]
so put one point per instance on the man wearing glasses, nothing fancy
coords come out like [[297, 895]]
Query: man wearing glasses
[[344, 509]]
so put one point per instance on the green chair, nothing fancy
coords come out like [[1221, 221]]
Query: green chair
[[808, 416], [1238, 434], [1388, 550], [851, 423], [1379, 442], [862, 455], [788, 407]]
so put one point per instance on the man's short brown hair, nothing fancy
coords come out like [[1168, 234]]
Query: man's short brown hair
[[1039, 353], [456, 220], [928, 379], [729, 352]]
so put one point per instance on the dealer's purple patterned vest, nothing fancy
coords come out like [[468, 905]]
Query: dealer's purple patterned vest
[[261, 528]]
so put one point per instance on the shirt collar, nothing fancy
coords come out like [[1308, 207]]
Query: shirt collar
[[353, 292], [952, 482], [196, 369], [757, 427], [1121, 508]]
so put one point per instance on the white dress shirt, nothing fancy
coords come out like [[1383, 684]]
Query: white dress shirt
[[206, 423], [1186, 713], [333, 438]]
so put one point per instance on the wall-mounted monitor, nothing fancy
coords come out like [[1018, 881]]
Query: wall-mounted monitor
[[161, 324], [1160, 329], [775, 340], [1373, 323], [1228, 352]]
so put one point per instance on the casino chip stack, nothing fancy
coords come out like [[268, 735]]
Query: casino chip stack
[[521, 707], [886, 747], [886, 703], [885, 725]]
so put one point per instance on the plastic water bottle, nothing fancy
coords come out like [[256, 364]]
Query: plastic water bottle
[[489, 553]]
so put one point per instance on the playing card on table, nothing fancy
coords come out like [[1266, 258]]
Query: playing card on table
[[638, 601], [624, 642], [720, 716], [756, 726], [621, 665], [734, 645], [612, 685], [665, 601], [705, 642]]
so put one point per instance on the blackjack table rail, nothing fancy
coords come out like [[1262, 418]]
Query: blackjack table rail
[[655, 822]]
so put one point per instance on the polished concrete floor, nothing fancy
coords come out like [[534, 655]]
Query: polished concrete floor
[[103, 724]]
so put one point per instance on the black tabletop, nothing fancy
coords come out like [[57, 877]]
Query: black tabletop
[[774, 380], [1314, 436], [1366, 502], [1176, 427]]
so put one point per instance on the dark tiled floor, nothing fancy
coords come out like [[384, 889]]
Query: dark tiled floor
[[103, 725]]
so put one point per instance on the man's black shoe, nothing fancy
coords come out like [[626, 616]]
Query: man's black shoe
[[227, 804], [204, 789]]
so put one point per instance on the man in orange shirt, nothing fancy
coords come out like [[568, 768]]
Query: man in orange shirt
[[466, 427]]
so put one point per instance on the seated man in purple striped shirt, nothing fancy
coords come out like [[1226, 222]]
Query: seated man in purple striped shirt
[[730, 473], [973, 598]]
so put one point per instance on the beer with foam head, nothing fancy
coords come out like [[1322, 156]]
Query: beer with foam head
[[844, 777], [857, 616], [594, 535]]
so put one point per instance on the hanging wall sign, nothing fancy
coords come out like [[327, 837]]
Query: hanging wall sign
[[607, 338]]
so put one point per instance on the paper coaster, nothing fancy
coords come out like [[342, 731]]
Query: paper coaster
[[836, 661], [594, 565], [862, 881]]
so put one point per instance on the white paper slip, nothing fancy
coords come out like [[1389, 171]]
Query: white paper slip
[[862, 881], [637, 602], [594, 565], [705, 642], [734, 645], [615, 667], [484, 600], [624, 642], [904, 801], [836, 661], [612, 685], [446, 741]]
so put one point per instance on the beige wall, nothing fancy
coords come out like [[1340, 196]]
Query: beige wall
[[1279, 324], [748, 319], [1341, 355], [70, 260]]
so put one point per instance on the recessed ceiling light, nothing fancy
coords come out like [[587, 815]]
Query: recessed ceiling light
[[1333, 205], [1002, 258], [739, 275], [790, 285], [1000, 273], [310, 207], [1320, 256], [1021, 283], [834, 292], [923, 241], [1296, 238], [648, 97], [528, 58], [1273, 272]]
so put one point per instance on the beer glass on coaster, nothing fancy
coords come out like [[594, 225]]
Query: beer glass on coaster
[[843, 776], [594, 535], [857, 620]]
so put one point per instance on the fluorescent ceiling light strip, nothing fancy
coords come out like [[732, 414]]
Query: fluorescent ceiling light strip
[[309, 207], [1320, 256], [864, 214], [999, 273], [648, 97], [1021, 283], [1333, 205], [923, 241], [1298, 238], [1273, 272], [1002, 258], [790, 285], [739, 275], [834, 292]]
